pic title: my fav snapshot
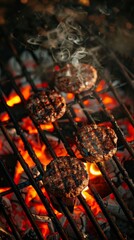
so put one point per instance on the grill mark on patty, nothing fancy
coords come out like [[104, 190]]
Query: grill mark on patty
[[71, 174], [101, 148], [42, 106], [111, 136], [46, 111], [74, 81], [97, 137], [64, 186], [53, 104], [69, 166], [94, 140], [65, 183], [74, 167]]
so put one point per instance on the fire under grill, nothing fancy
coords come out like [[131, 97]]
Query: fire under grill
[[105, 209]]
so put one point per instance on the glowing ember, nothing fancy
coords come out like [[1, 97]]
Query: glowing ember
[[101, 86], [29, 194], [14, 99], [108, 100], [84, 2], [93, 169], [70, 96], [77, 119], [91, 202]]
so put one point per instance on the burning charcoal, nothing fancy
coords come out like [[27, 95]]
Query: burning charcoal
[[113, 171], [96, 143], [7, 205], [100, 185], [81, 224], [30, 235], [65, 177], [24, 178], [36, 173], [76, 78], [114, 207], [46, 106]]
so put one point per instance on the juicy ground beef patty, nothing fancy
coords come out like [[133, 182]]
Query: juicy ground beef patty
[[96, 143], [75, 79], [65, 177], [46, 106]]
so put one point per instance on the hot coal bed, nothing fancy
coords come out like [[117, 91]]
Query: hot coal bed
[[36, 45]]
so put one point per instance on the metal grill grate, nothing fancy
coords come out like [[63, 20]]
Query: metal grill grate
[[91, 118]]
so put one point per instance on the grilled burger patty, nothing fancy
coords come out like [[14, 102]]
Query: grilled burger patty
[[96, 143], [46, 106], [75, 79], [65, 177]]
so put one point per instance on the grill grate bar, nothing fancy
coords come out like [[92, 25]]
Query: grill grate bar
[[65, 210], [92, 217], [34, 184], [71, 220], [20, 186], [116, 127], [100, 204], [45, 140], [89, 117], [21, 200], [106, 213], [20, 132], [70, 152], [117, 195], [125, 174], [114, 91], [122, 170], [43, 137], [127, 74], [66, 144], [9, 221], [56, 127], [122, 68], [120, 201]]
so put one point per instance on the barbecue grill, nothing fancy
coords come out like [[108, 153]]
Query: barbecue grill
[[63, 131]]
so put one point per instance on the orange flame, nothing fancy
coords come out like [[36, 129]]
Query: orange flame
[[14, 98], [93, 169], [44, 156], [108, 100], [91, 202]]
